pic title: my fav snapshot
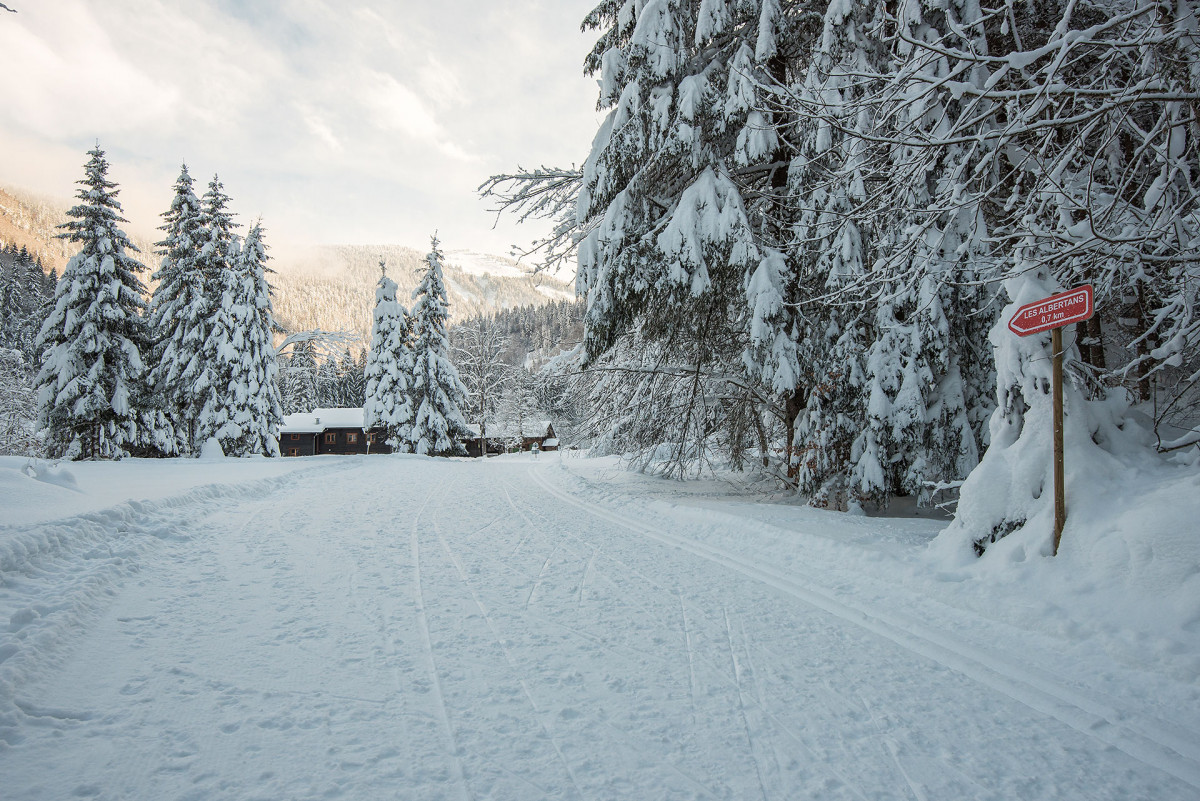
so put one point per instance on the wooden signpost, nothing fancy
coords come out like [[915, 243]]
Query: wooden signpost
[[1052, 314]]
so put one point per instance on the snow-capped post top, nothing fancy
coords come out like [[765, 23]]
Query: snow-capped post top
[[1055, 311]]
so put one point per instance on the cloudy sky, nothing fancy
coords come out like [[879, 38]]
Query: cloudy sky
[[338, 122]]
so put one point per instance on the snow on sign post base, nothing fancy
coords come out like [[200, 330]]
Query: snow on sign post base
[[1052, 314]]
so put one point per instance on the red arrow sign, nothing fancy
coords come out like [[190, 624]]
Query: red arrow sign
[[1053, 312]]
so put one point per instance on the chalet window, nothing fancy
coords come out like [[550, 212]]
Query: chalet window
[[372, 438], [331, 439], [293, 451], [352, 439], [293, 436]]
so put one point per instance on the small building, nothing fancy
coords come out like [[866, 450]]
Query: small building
[[329, 431], [503, 437]]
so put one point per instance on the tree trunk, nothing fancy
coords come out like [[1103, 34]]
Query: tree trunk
[[792, 407]]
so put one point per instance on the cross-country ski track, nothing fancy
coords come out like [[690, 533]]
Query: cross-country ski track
[[409, 628]]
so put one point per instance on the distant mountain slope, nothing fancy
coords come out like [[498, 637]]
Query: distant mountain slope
[[30, 221], [333, 287], [328, 287]]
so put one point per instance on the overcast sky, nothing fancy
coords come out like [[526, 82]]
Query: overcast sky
[[338, 122]]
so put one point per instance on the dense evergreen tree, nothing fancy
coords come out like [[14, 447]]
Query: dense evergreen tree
[[246, 415], [353, 378], [25, 294], [437, 393], [389, 370], [300, 381], [215, 258], [179, 312], [94, 338]]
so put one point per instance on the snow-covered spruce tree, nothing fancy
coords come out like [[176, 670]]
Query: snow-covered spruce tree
[[1096, 149], [389, 370], [438, 395], [94, 338], [18, 405], [178, 314], [245, 412], [218, 252], [928, 388], [300, 379], [354, 378], [329, 389], [13, 300], [810, 326], [679, 196]]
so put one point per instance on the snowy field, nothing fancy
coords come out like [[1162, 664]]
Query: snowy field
[[408, 628]]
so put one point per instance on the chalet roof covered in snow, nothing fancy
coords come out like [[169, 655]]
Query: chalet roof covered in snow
[[320, 419]]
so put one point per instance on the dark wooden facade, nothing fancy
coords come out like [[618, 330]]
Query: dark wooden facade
[[333, 440]]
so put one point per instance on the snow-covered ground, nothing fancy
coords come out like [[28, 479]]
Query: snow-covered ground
[[401, 627]]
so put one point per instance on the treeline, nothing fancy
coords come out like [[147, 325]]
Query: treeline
[[802, 225], [506, 362], [25, 294], [310, 378], [533, 333], [25, 291]]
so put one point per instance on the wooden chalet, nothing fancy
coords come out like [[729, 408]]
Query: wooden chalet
[[505, 438], [329, 431]]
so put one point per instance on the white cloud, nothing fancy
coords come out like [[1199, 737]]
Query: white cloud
[[72, 79], [393, 106], [364, 121]]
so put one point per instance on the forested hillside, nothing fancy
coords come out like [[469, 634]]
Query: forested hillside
[[31, 222], [333, 287]]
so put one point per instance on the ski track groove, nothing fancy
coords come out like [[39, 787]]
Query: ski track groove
[[451, 744], [1092, 717], [508, 657], [541, 575], [691, 657], [741, 696], [724, 674], [889, 745], [587, 571]]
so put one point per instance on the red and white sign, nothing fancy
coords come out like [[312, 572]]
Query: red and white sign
[[1053, 312]]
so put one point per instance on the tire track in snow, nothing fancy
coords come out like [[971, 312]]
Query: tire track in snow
[[541, 575], [741, 696], [693, 657], [1130, 733], [451, 744], [508, 657]]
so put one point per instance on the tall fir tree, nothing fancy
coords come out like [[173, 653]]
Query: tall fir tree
[[178, 313], [390, 367], [353, 377], [246, 412], [300, 383], [218, 250], [437, 392], [94, 338]]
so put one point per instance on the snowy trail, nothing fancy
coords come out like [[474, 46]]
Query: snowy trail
[[1152, 741], [413, 628]]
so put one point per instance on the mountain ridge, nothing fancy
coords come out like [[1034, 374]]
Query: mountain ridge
[[330, 287]]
